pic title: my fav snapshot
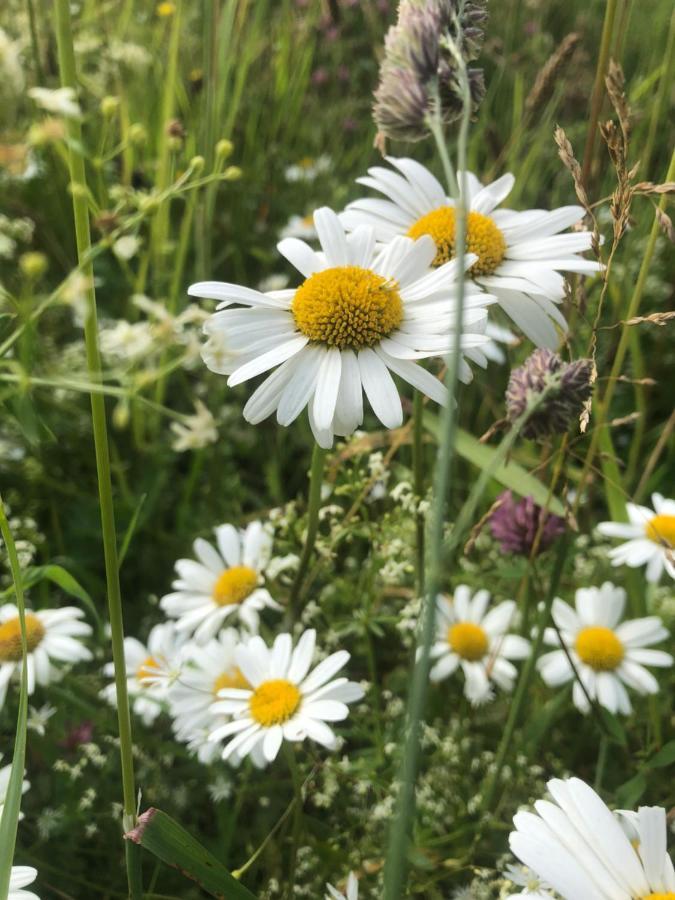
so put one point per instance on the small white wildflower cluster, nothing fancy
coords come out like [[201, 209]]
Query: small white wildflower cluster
[[224, 684]]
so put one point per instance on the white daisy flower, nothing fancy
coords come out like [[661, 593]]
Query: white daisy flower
[[520, 254], [195, 431], [533, 886], [351, 890], [285, 700], [18, 879], [151, 670], [299, 227], [650, 535], [224, 582], [359, 316], [53, 635], [208, 669], [498, 335], [577, 845], [606, 652], [470, 638]]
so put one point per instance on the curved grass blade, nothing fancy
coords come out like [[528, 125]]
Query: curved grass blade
[[509, 474], [162, 836]]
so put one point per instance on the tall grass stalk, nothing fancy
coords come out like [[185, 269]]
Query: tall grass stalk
[[10, 812], [396, 864], [314, 505], [598, 89], [81, 215]]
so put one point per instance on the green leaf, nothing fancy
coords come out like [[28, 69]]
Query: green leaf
[[665, 757], [613, 726], [509, 474], [130, 530], [629, 793], [611, 481], [68, 584], [160, 835]]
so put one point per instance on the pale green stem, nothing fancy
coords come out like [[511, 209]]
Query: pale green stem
[[418, 484], [10, 813], [81, 216], [313, 507], [396, 863], [598, 88], [659, 113], [516, 705]]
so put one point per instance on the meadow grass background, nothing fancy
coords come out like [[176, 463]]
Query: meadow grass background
[[288, 83]]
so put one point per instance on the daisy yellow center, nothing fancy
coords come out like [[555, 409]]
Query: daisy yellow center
[[468, 640], [10, 637], [599, 648], [670, 895], [274, 702], [147, 669], [230, 679], [482, 238], [347, 306], [661, 530], [234, 585]]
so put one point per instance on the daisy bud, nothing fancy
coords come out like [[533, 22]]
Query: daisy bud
[[109, 106], [138, 134], [224, 149], [420, 59], [516, 524], [567, 385], [33, 265]]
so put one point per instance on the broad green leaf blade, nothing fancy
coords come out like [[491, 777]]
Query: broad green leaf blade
[[10, 814], [162, 836], [68, 584], [509, 474]]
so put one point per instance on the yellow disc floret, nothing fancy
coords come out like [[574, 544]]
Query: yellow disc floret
[[274, 702], [10, 637], [233, 678], [347, 306], [667, 896], [661, 530], [147, 669], [599, 648], [468, 640], [234, 585], [482, 238]]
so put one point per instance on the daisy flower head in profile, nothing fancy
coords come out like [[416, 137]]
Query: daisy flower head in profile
[[361, 315], [208, 669], [649, 537], [52, 636], [608, 654], [520, 254], [20, 877], [578, 846], [222, 582], [151, 669], [351, 891], [477, 641], [286, 698]]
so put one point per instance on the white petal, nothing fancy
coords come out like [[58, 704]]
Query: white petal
[[380, 389]]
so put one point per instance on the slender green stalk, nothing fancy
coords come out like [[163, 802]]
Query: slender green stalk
[[598, 88], [418, 485], [524, 681], [32, 23], [10, 812], [297, 818], [602, 406], [602, 760], [81, 216], [396, 863], [314, 505], [659, 112]]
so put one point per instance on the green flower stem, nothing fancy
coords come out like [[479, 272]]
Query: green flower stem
[[602, 406], [659, 108], [598, 89], [396, 863], [418, 485], [81, 216], [314, 505], [520, 695], [10, 812]]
